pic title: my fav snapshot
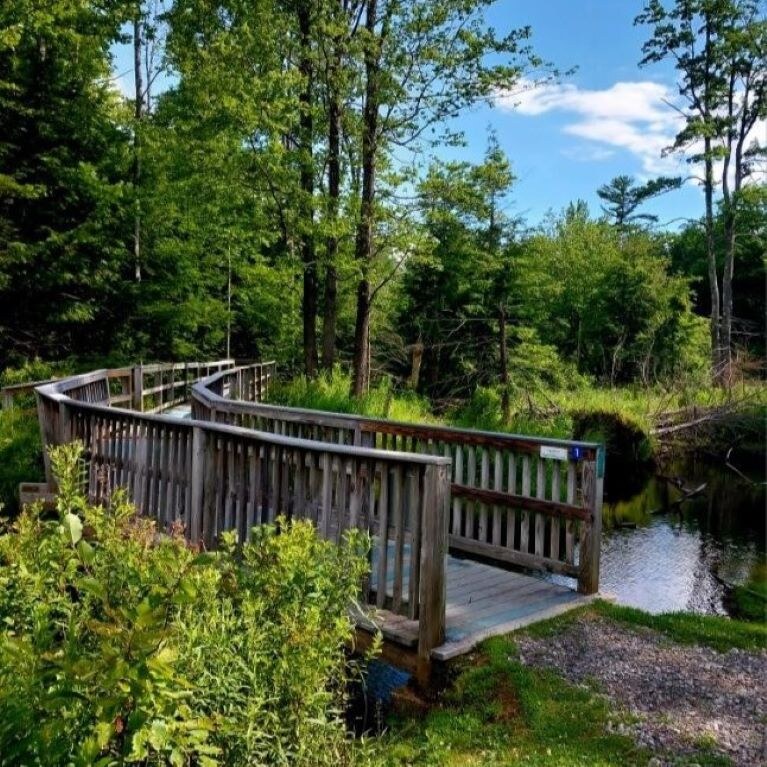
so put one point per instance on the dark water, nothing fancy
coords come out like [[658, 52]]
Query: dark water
[[684, 557]]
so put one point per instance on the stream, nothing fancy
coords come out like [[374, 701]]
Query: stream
[[683, 556]]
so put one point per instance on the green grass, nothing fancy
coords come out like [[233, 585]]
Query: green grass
[[714, 631], [20, 454], [330, 392], [750, 599], [499, 712]]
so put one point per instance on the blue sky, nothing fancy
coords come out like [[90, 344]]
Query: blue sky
[[565, 140], [606, 119]]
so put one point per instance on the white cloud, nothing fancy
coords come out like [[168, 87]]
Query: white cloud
[[587, 153], [633, 116]]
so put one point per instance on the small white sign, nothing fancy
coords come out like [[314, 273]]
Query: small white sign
[[557, 453]]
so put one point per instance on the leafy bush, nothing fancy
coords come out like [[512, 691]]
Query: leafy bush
[[20, 455], [122, 645], [29, 370]]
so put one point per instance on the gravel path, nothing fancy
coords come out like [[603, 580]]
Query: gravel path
[[678, 697]]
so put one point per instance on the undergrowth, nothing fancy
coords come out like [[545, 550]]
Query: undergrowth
[[120, 643], [555, 412], [20, 455]]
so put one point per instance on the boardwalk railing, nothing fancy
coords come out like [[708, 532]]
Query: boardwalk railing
[[533, 502], [212, 477], [143, 387]]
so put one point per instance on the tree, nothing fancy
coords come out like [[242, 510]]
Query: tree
[[604, 299], [624, 196], [424, 62], [63, 230], [718, 48], [457, 292], [146, 19]]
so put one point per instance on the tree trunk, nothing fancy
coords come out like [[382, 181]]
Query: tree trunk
[[505, 404], [138, 114], [730, 227], [715, 329], [330, 308], [361, 360], [416, 358], [713, 277], [330, 317], [363, 249], [306, 130]]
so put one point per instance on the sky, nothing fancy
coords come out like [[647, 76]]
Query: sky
[[565, 140], [608, 118]]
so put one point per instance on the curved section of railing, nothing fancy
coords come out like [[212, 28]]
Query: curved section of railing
[[530, 501], [211, 477]]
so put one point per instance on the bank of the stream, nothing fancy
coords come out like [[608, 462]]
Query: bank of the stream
[[684, 525], [601, 686]]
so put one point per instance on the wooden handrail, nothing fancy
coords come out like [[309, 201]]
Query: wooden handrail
[[531, 501], [214, 477], [9, 393]]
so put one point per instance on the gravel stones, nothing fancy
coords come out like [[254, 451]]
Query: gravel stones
[[677, 700]]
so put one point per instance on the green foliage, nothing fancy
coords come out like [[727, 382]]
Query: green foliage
[[330, 392], [498, 712], [750, 599], [60, 158], [20, 455], [624, 195], [606, 302], [30, 370], [122, 645]]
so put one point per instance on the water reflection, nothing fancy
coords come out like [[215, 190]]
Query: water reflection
[[682, 558]]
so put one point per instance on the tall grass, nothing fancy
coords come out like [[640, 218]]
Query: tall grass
[[330, 392], [20, 455], [559, 413]]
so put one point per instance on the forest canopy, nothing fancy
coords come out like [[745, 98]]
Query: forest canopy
[[272, 188]]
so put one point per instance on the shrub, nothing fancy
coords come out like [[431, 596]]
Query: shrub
[[20, 455], [122, 645]]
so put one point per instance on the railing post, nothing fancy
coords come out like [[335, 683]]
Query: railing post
[[44, 422], [434, 538], [137, 398], [65, 423], [197, 478], [591, 531]]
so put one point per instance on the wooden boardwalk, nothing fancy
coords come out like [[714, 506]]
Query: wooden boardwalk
[[482, 601], [449, 510]]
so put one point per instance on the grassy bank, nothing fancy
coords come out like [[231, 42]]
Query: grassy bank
[[714, 631], [621, 417], [749, 600], [498, 712], [20, 455]]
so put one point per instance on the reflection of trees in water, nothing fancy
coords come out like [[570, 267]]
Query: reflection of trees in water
[[728, 508], [720, 534]]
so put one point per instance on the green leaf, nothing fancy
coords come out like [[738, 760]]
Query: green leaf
[[86, 552], [74, 525]]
